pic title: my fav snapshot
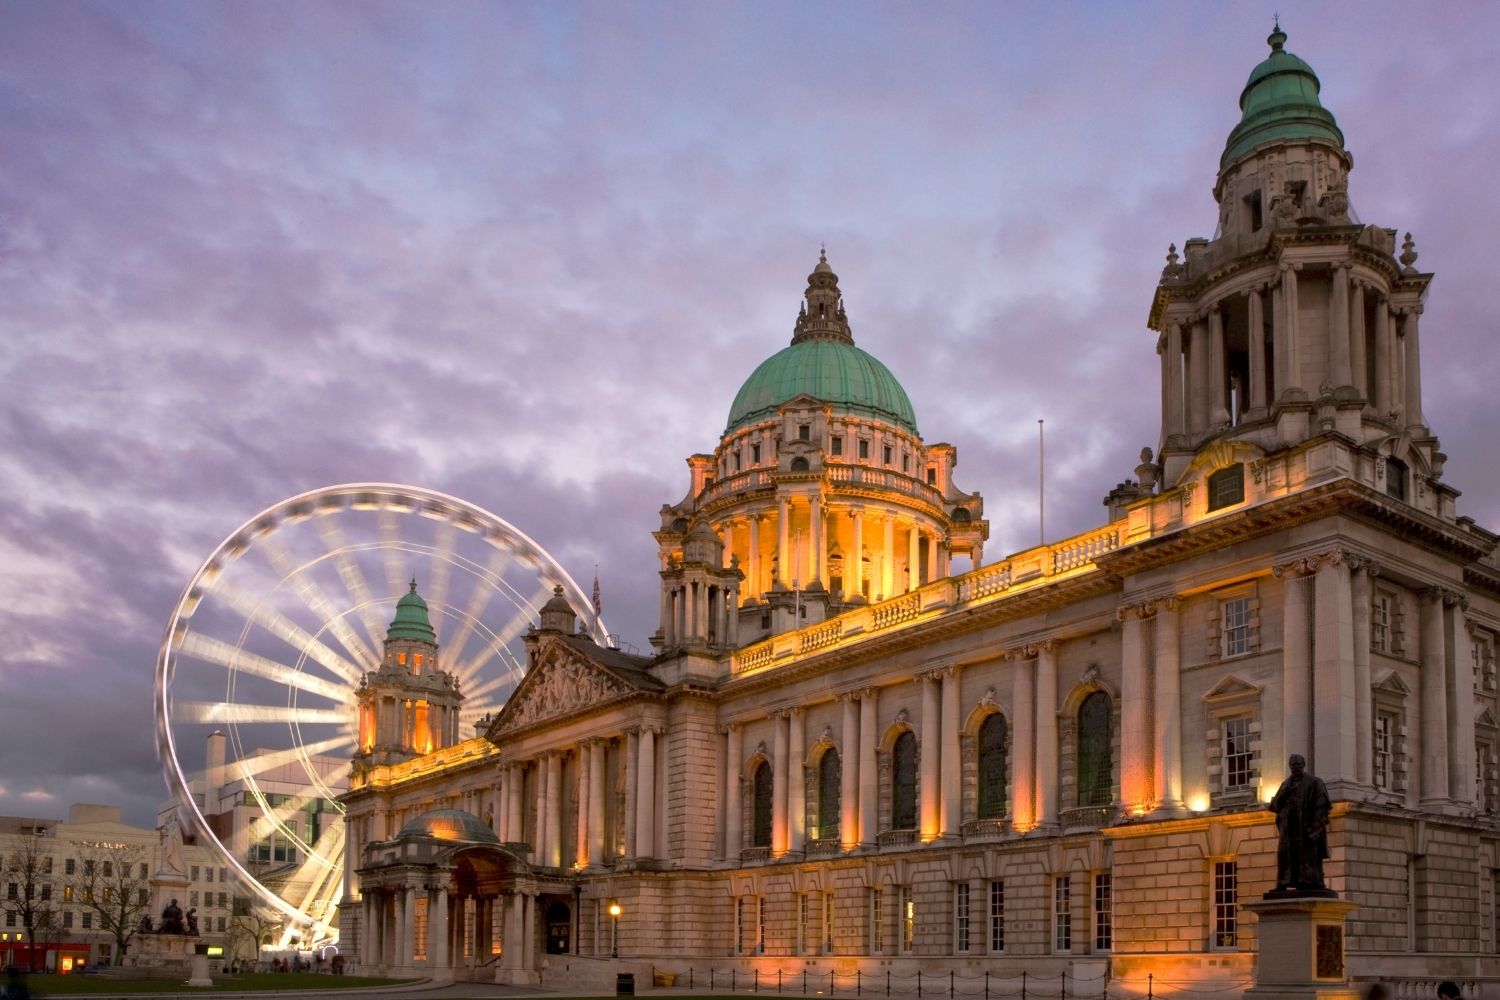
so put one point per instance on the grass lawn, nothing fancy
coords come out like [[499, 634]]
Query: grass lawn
[[48, 985]]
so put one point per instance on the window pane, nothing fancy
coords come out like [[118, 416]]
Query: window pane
[[1226, 487], [904, 783], [992, 767], [1094, 764], [829, 794], [761, 833]]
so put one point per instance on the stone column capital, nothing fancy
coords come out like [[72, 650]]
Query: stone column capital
[[1139, 610]]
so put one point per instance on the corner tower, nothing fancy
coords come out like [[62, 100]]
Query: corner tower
[[820, 496], [410, 705], [1295, 320]]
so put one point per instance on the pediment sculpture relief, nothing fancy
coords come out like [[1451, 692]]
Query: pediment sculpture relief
[[562, 686]]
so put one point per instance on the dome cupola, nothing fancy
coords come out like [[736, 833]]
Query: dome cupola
[[1280, 103]]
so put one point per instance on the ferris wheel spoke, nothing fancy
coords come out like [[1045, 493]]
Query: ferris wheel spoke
[[511, 677], [317, 602], [248, 768], [234, 713], [332, 533], [223, 654], [288, 631], [524, 616], [436, 588], [392, 547], [479, 600]]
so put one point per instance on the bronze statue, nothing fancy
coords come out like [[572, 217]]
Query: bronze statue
[[1301, 806], [171, 919]]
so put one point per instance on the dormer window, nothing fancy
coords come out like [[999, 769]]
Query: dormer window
[[1395, 478], [1226, 487]]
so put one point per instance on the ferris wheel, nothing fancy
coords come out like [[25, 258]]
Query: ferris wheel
[[256, 678]]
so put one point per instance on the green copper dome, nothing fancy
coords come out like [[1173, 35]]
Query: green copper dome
[[1280, 103], [411, 621], [822, 362]]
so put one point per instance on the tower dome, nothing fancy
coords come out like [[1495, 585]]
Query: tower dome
[[1280, 102], [411, 621], [822, 362]]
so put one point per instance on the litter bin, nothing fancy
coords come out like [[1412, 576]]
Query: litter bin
[[625, 984]]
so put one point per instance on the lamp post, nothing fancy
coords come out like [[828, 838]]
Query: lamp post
[[614, 930]]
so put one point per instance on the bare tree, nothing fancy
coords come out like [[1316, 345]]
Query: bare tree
[[30, 888], [111, 880], [250, 927]]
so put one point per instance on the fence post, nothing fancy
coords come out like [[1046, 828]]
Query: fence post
[[887, 982], [831, 977], [919, 984], [1023, 986], [757, 980], [1150, 979], [986, 984], [804, 979], [1065, 985], [950, 984], [778, 980]]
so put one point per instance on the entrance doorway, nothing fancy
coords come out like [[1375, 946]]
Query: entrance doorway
[[559, 921]]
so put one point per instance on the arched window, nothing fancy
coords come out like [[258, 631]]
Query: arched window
[[904, 782], [1094, 764], [799, 464], [992, 767], [760, 834], [830, 790]]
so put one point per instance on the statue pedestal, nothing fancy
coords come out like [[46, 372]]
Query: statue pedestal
[[1301, 953], [200, 975], [165, 887]]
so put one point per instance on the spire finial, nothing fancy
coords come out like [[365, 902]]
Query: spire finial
[[413, 585], [1277, 37]]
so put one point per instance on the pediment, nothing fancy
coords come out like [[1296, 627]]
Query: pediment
[[561, 683], [1391, 682], [1231, 688]]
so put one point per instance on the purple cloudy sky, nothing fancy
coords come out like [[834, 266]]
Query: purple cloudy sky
[[526, 253]]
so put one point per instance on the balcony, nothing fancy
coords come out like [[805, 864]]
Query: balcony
[[1088, 817], [986, 829], [896, 838]]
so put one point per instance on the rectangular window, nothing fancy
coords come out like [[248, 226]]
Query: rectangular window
[[961, 917], [877, 922], [1104, 919], [1235, 614], [192, 875], [804, 432], [47, 886], [931, 476], [908, 920], [67, 894], [109, 869], [1226, 903], [804, 923], [906, 463], [739, 925], [193, 898], [997, 915], [1380, 623], [1062, 914], [47, 861], [864, 449], [67, 920], [828, 923], [1236, 754], [885, 454], [760, 925], [837, 444], [1382, 756], [1226, 487], [13, 890], [143, 896], [88, 920], [223, 900], [755, 454], [69, 866], [208, 874]]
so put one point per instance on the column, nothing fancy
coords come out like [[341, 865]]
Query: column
[[1296, 664], [1256, 328], [1339, 354], [796, 792], [849, 774], [1174, 376], [1333, 673], [815, 538], [438, 920], [1218, 410], [779, 748], [596, 802], [1434, 701], [1135, 710], [1046, 733], [632, 789], [680, 613], [553, 841], [1382, 388], [888, 559], [408, 904], [510, 931], [1167, 766], [1293, 330], [753, 561], [1197, 385], [733, 626], [869, 777], [1362, 570], [1460, 670], [1412, 370], [668, 617], [734, 765], [528, 932], [369, 951], [1358, 358], [933, 572], [1279, 338], [783, 541], [854, 568], [913, 558], [1023, 741], [582, 857], [952, 766], [645, 815], [930, 756], [515, 797]]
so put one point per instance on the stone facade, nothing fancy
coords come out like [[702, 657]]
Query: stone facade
[[848, 756]]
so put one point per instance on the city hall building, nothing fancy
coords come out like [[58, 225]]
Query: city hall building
[[861, 748]]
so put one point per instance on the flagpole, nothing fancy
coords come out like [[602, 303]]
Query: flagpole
[[1041, 482]]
